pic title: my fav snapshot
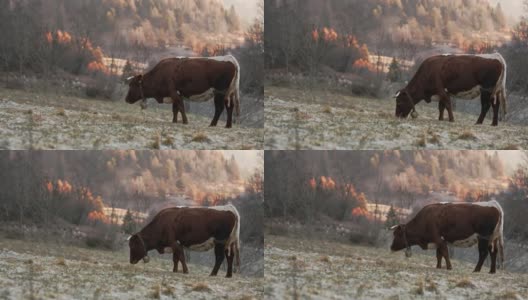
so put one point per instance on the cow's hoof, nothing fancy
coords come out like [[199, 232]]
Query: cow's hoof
[[492, 272], [229, 275], [228, 126]]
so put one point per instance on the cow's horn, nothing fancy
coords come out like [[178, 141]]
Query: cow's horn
[[129, 237], [146, 259], [129, 79], [394, 227], [397, 94]]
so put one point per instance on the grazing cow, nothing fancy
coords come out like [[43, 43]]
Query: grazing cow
[[463, 76], [459, 224], [194, 79], [194, 228]]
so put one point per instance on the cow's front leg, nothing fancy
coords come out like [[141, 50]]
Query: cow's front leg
[[175, 111], [445, 253], [178, 255], [219, 258], [175, 260], [483, 253], [438, 258], [178, 101], [219, 108], [441, 108]]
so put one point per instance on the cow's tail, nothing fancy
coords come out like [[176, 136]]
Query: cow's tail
[[497, 239], [234, 238], [234, 89], [499, 93]]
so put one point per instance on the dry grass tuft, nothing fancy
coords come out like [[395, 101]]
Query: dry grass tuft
[[61, 262], [156, 292], [61, 112], [167, 290], [465, 283], [419, 290], [467, 136], [168, 141], [327, 109], [28, 262], [201, 287], [421, 142], [156, 144], [325, 259], [511, 147], [509, 295], [200, 137]]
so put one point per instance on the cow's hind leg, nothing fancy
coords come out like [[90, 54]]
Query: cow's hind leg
[[438, 258], [230, 109], [219, 258], [178, 255], [485, 102], [230, 255], [483, 253], [495, 103], [219, 108], [493, 255]]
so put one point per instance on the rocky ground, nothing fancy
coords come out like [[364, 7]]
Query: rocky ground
[[49, 121], [307, 269], [304, 119], [43, 270]]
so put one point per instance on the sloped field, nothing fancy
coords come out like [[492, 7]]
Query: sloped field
[[309, 269], [48, 121], [301, 119]]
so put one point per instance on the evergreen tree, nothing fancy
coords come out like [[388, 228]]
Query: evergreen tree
[[392, 218], [394, 74], [128, 71], [129, 225]]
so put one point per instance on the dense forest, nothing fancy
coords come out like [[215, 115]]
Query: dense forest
[[126, 179], [391, 25], [317, 185], [80, 188]]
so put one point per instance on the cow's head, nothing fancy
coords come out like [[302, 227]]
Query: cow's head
[[400, 242], [405, 105], [137, 249], [135, 89]]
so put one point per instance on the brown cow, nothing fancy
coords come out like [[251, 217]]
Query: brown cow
[[195, 79], [459, 224], [194, 228], [463, 76]]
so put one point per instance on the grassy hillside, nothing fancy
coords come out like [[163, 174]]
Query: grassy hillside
[[307, 119], [305, 269], [50, 121], [53, 271]]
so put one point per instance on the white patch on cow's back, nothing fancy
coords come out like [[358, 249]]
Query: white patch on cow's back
[[205, 246], [465, 243]]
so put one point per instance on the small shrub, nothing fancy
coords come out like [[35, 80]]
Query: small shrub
[[467, 135], [201, 287], [465, 283], [200, 137]]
